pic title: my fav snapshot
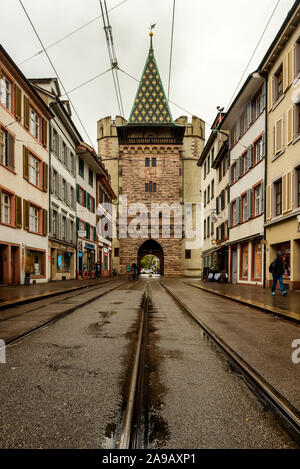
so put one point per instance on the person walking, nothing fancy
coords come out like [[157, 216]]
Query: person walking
[[277, 269]]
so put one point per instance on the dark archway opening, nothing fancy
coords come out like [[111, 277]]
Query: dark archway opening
[[151, 247]]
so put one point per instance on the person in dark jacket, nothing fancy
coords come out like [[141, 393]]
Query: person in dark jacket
[[277, 270]]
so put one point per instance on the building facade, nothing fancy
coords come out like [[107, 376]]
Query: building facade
[[24, 177], [64, 138], [151, 159], [281, 64], [245, 122]]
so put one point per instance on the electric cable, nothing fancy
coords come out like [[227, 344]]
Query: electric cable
[[171, 49]]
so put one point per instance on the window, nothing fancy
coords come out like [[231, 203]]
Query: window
[[154, 187], [81, 225], [147, 162], [233, 173], [188, 254], [208, 194], [5, 92], [244, 261], [153, 162], [297, 119], [222, 197], [257, 200], [233, 135], [244, 163], [5, 208], [91, 180], [34, 170], [244, 207], [220, 172], [146, 187], [212, 228], [224, 166], [65, 154], [55, 183], [150, 186], [34, 123], [63, 228], [72, 197], [34, 219], [258, 151], [204, 198], [205, 170], [117, 252], [208, 164], [222, 227], [81, 168], [297, 57], [7, 149], [54, 223], [278, 197], [204, 229], [212, 188], [278, 83], [64, 183], [208, 227], [243, 122]]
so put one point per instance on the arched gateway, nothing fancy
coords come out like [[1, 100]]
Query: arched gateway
[[151, 247]]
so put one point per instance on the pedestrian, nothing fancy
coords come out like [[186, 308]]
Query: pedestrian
[[277, 270], [134, 269]]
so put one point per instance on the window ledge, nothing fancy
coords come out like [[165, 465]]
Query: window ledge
[[278, 102], [296, 139], [278, 155]]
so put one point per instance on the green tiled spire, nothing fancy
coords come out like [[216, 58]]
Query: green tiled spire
[[150, 105]]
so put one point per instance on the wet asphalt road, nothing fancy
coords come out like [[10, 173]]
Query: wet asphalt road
[[64, 386]]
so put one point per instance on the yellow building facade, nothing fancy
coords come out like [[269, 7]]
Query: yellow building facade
[[281, 65]]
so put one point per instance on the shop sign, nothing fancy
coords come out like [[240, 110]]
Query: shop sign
[[81, 234], [80, 254], [89, 246]]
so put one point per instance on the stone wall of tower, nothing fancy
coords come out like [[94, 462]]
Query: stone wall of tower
[[166, 175], [193, 144], [108, 151]]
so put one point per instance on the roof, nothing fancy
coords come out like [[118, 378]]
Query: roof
[[150, 105], [27, 83]]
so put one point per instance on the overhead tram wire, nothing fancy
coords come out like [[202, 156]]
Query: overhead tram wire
[[112, 55], [70, 34], [259, 41], [62, 85], [87, 81], [171, 49]]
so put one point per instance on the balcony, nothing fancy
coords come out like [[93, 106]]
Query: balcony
[[150, 141]]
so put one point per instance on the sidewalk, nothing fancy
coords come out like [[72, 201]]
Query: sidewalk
[[18, 294], [287, 306]]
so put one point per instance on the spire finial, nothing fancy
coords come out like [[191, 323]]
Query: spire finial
[[151, 34]]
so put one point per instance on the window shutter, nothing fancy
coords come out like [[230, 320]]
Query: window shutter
[[78, 193], [238, 168], [229, 176], [290, 66], [270, 93], [263, 145], [52, 184], [229, 215], [45, 177], [77, 224], [264, 96], [284, 193], [73, 164], [285, 72], [45, 222], [87, 227], [84, 198], [25, 163], [238, 129], [95, 234], [238, 201], [18, 211], [88, 201], [249, 114], [217, 205], [26, 113], [44, 132], [269, 202], [11, 151], [249, 204], [25, 214], [289, 191], [290, 125], [249, 157], [262, 199], [18, 105]]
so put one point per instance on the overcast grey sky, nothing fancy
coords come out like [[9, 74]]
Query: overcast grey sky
[[213, 42]]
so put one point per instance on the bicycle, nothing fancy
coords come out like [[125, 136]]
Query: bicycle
[[132, 276]]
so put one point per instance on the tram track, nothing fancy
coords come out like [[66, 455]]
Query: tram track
[[14, 339], [283, 411]]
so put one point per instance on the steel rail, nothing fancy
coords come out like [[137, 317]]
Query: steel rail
[[126, 433], [288, 415], [34, 329]]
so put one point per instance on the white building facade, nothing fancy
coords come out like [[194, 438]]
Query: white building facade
[[24, 178], [245, 121]]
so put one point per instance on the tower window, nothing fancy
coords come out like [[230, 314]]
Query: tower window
[[147, 162], [154, 162]]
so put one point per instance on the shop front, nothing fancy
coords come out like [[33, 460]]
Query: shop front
[[215, 264], [62, 258], [34, 265], [87, 260], [246, 262], [9, 264]]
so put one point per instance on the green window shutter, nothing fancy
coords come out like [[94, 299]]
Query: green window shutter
[[18, 99], [18, 211], [25, 163], [44, 132], [88, 229], [77, 224], [11, 151], [84, 199], [95, 234], [88, 200], [45, 222], [26, 214], [45, 177], [26, 113], [78, 193]]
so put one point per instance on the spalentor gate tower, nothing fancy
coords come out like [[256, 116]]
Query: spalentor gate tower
[[153, 159]]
